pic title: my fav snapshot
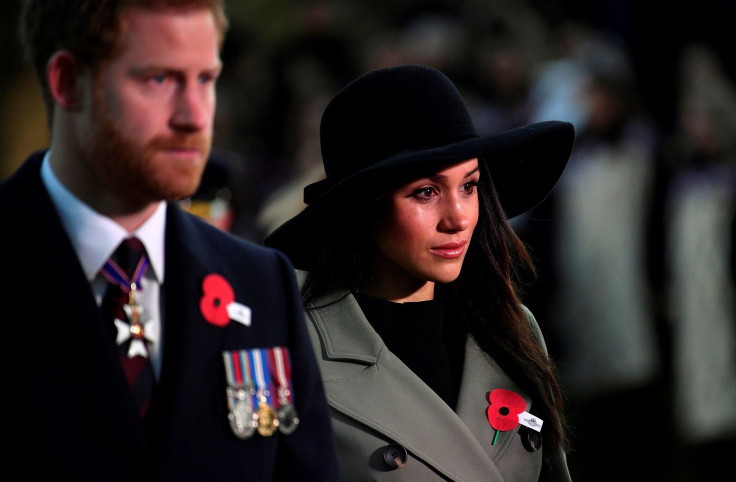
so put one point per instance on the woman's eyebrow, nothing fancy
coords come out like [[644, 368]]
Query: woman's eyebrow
[[470, 173], [439, 177]]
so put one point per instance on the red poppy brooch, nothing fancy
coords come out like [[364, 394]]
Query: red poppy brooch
[[218, 305], [506, 410]]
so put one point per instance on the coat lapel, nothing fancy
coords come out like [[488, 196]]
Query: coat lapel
[[481, 375], [366, 382]]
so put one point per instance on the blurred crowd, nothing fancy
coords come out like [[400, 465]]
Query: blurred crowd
[[635, 247]]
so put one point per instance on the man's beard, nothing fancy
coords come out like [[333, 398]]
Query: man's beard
[[132, 170]]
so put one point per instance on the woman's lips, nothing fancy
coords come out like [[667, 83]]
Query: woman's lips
[[450, 250]]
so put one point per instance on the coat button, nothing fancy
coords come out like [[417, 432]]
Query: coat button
[[394, 455], [530, 439]]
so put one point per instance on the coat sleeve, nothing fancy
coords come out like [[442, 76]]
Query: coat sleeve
[[309, 453], [535, 327]]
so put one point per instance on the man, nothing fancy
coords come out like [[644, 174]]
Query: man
[[213, 323]]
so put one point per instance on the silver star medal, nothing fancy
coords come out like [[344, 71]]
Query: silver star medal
[[135, 329], [243, 419]]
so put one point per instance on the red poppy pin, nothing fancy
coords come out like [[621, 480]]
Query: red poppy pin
[[218, 305], [507, 409]]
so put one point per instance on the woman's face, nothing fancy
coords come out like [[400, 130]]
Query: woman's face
[[422, 233]]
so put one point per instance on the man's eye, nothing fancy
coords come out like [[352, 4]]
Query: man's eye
[[159, 79]]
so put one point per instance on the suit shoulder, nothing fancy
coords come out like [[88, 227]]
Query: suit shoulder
[[228, 244], [17, 183]]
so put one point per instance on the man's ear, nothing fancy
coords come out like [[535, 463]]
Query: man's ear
[[64, 73]]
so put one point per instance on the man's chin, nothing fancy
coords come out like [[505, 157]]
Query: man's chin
[[178, 191], [173, 183]]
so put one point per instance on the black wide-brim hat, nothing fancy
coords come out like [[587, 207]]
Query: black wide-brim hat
[[402, 123]]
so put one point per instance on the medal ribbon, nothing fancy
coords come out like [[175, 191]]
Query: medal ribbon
[[241, 395], [115, 274], [237, 369], [227, 357], [247, 369], [282, 370], [260, 373]]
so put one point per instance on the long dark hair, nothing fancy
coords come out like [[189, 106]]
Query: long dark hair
[[487, 293]]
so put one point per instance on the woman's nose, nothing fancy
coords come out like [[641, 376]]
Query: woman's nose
[[455, 216]]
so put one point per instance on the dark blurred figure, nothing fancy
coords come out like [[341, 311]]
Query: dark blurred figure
[[701, 210], [316, 59], [504, 77], [213, 200], [306, 70], [596, 240]]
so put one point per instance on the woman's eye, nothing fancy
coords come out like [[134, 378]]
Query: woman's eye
[[470, 186], [424, 192]]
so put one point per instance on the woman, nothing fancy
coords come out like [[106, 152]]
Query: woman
[[433, 368]]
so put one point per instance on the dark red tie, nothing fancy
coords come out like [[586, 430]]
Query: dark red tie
[[122, 310]]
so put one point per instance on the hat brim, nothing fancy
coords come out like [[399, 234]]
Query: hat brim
[[525, 164]]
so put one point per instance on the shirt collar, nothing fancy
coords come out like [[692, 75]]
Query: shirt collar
[[94, 236]]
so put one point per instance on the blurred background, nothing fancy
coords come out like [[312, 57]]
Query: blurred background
[[635, 247]]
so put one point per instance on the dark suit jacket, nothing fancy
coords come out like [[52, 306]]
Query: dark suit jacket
[[68, 411]]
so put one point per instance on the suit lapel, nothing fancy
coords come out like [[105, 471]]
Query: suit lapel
[[191, 344], [70, 322], [366, 382]]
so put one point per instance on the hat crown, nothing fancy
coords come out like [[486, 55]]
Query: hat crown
[[401, 123], [388, 112]]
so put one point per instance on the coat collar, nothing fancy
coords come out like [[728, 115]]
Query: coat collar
[[366, 382]]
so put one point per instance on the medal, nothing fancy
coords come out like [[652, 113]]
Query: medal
[[288, 420], [133, 311], [241, 417], [134, 329], [254, 377], [286, 413], [267, 421], [240, 392]]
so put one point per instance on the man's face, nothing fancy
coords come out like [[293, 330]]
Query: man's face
[[152, 107]]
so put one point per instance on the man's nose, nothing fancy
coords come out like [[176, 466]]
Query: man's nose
[[193, 109]]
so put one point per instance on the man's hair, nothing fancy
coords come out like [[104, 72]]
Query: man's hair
[[89, 29]]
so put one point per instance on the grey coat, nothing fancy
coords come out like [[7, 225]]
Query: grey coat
[[376, 400]]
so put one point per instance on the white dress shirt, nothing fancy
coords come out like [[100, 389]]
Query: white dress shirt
[[96, 237]]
